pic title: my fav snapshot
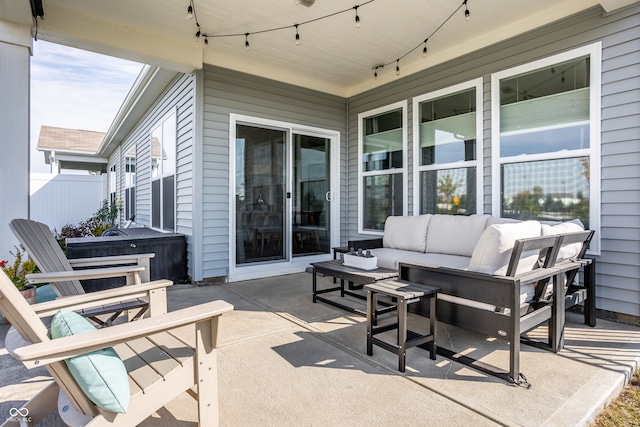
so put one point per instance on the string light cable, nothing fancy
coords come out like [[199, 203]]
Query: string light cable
[[191, 15], [422, 44]]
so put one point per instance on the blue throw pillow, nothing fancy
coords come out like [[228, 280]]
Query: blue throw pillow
[[100, 374]]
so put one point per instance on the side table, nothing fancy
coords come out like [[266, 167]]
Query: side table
[[406, 293]]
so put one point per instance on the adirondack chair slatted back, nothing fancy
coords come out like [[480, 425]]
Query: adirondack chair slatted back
[[43, 248], [32, 330]]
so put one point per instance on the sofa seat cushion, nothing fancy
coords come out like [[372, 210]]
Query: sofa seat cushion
[[455, 234], [389, 258], [406, 232], [493, 250]]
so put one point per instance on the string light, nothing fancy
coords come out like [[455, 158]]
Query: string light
[[423, 44], [375, 71], [191, 14]]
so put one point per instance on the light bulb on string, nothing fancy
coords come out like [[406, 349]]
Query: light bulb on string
[[466, 11], [190, 12], [206, 42], [196, 37], [246, 41], [397, 67], [424, 49], [357, 17], [297, 35], [375, 71]]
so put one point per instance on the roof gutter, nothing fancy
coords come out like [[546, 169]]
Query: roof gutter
[[138, 89]]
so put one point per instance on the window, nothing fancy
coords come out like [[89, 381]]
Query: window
[[130, 184], [163, 169], [381, 166], [112, 184], [546, 137], [447, 153]]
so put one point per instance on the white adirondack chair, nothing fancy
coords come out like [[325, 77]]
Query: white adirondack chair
[[160, 363]]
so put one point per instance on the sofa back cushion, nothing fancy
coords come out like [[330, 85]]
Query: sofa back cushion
[[493, 251], [567, 251], [406, 232], [455, 234]]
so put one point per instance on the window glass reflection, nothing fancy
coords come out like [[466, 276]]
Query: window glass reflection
[[382, 198], [448, 191], [556, 190]]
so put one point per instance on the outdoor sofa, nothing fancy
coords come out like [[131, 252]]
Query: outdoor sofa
[[498, 277]]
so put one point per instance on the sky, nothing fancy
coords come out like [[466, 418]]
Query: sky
[[76, 89]]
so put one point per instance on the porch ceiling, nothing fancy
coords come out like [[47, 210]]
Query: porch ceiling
[[334, 56]]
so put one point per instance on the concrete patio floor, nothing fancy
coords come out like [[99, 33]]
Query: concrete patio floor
[[284, 361]]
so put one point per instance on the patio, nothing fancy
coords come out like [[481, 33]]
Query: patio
[[286, 361]]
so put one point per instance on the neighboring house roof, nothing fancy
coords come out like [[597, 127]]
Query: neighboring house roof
[[72, 148], [62, 139], [86, 150]]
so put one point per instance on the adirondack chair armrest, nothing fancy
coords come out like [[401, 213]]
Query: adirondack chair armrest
[[44, 353], [94, 273], [99, 298], [111, 260]]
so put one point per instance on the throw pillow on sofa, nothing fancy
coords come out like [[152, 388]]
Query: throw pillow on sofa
[[493, 250]]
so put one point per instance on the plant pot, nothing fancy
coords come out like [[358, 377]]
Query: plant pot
[[29, 293]]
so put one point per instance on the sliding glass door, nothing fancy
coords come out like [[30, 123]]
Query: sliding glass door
[[311, 195], [260, 194], [283, 193]]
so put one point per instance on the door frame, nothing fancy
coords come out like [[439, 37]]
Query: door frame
[[289, 264]]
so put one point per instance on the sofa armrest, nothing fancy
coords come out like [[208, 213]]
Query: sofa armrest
[[365, 244]]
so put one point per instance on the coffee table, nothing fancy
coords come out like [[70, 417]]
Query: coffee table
[[352, 275]]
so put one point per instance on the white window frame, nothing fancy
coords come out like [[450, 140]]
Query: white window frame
[[129, 182], [478, 163], [173, 113], [289, 265], [594, 51], [403, 105], [113, 183]]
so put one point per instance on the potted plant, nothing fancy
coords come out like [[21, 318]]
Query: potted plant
[[17, 272]]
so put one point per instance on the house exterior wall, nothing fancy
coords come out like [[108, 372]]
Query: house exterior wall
[[178, 97], [227, 92], [618, 266]]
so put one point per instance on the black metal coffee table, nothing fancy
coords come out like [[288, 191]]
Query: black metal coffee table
[[353, 275]]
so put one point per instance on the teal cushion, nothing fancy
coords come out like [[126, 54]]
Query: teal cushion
[[100, 374]]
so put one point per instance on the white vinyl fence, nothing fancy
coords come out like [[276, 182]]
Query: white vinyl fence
[[57, 200]]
